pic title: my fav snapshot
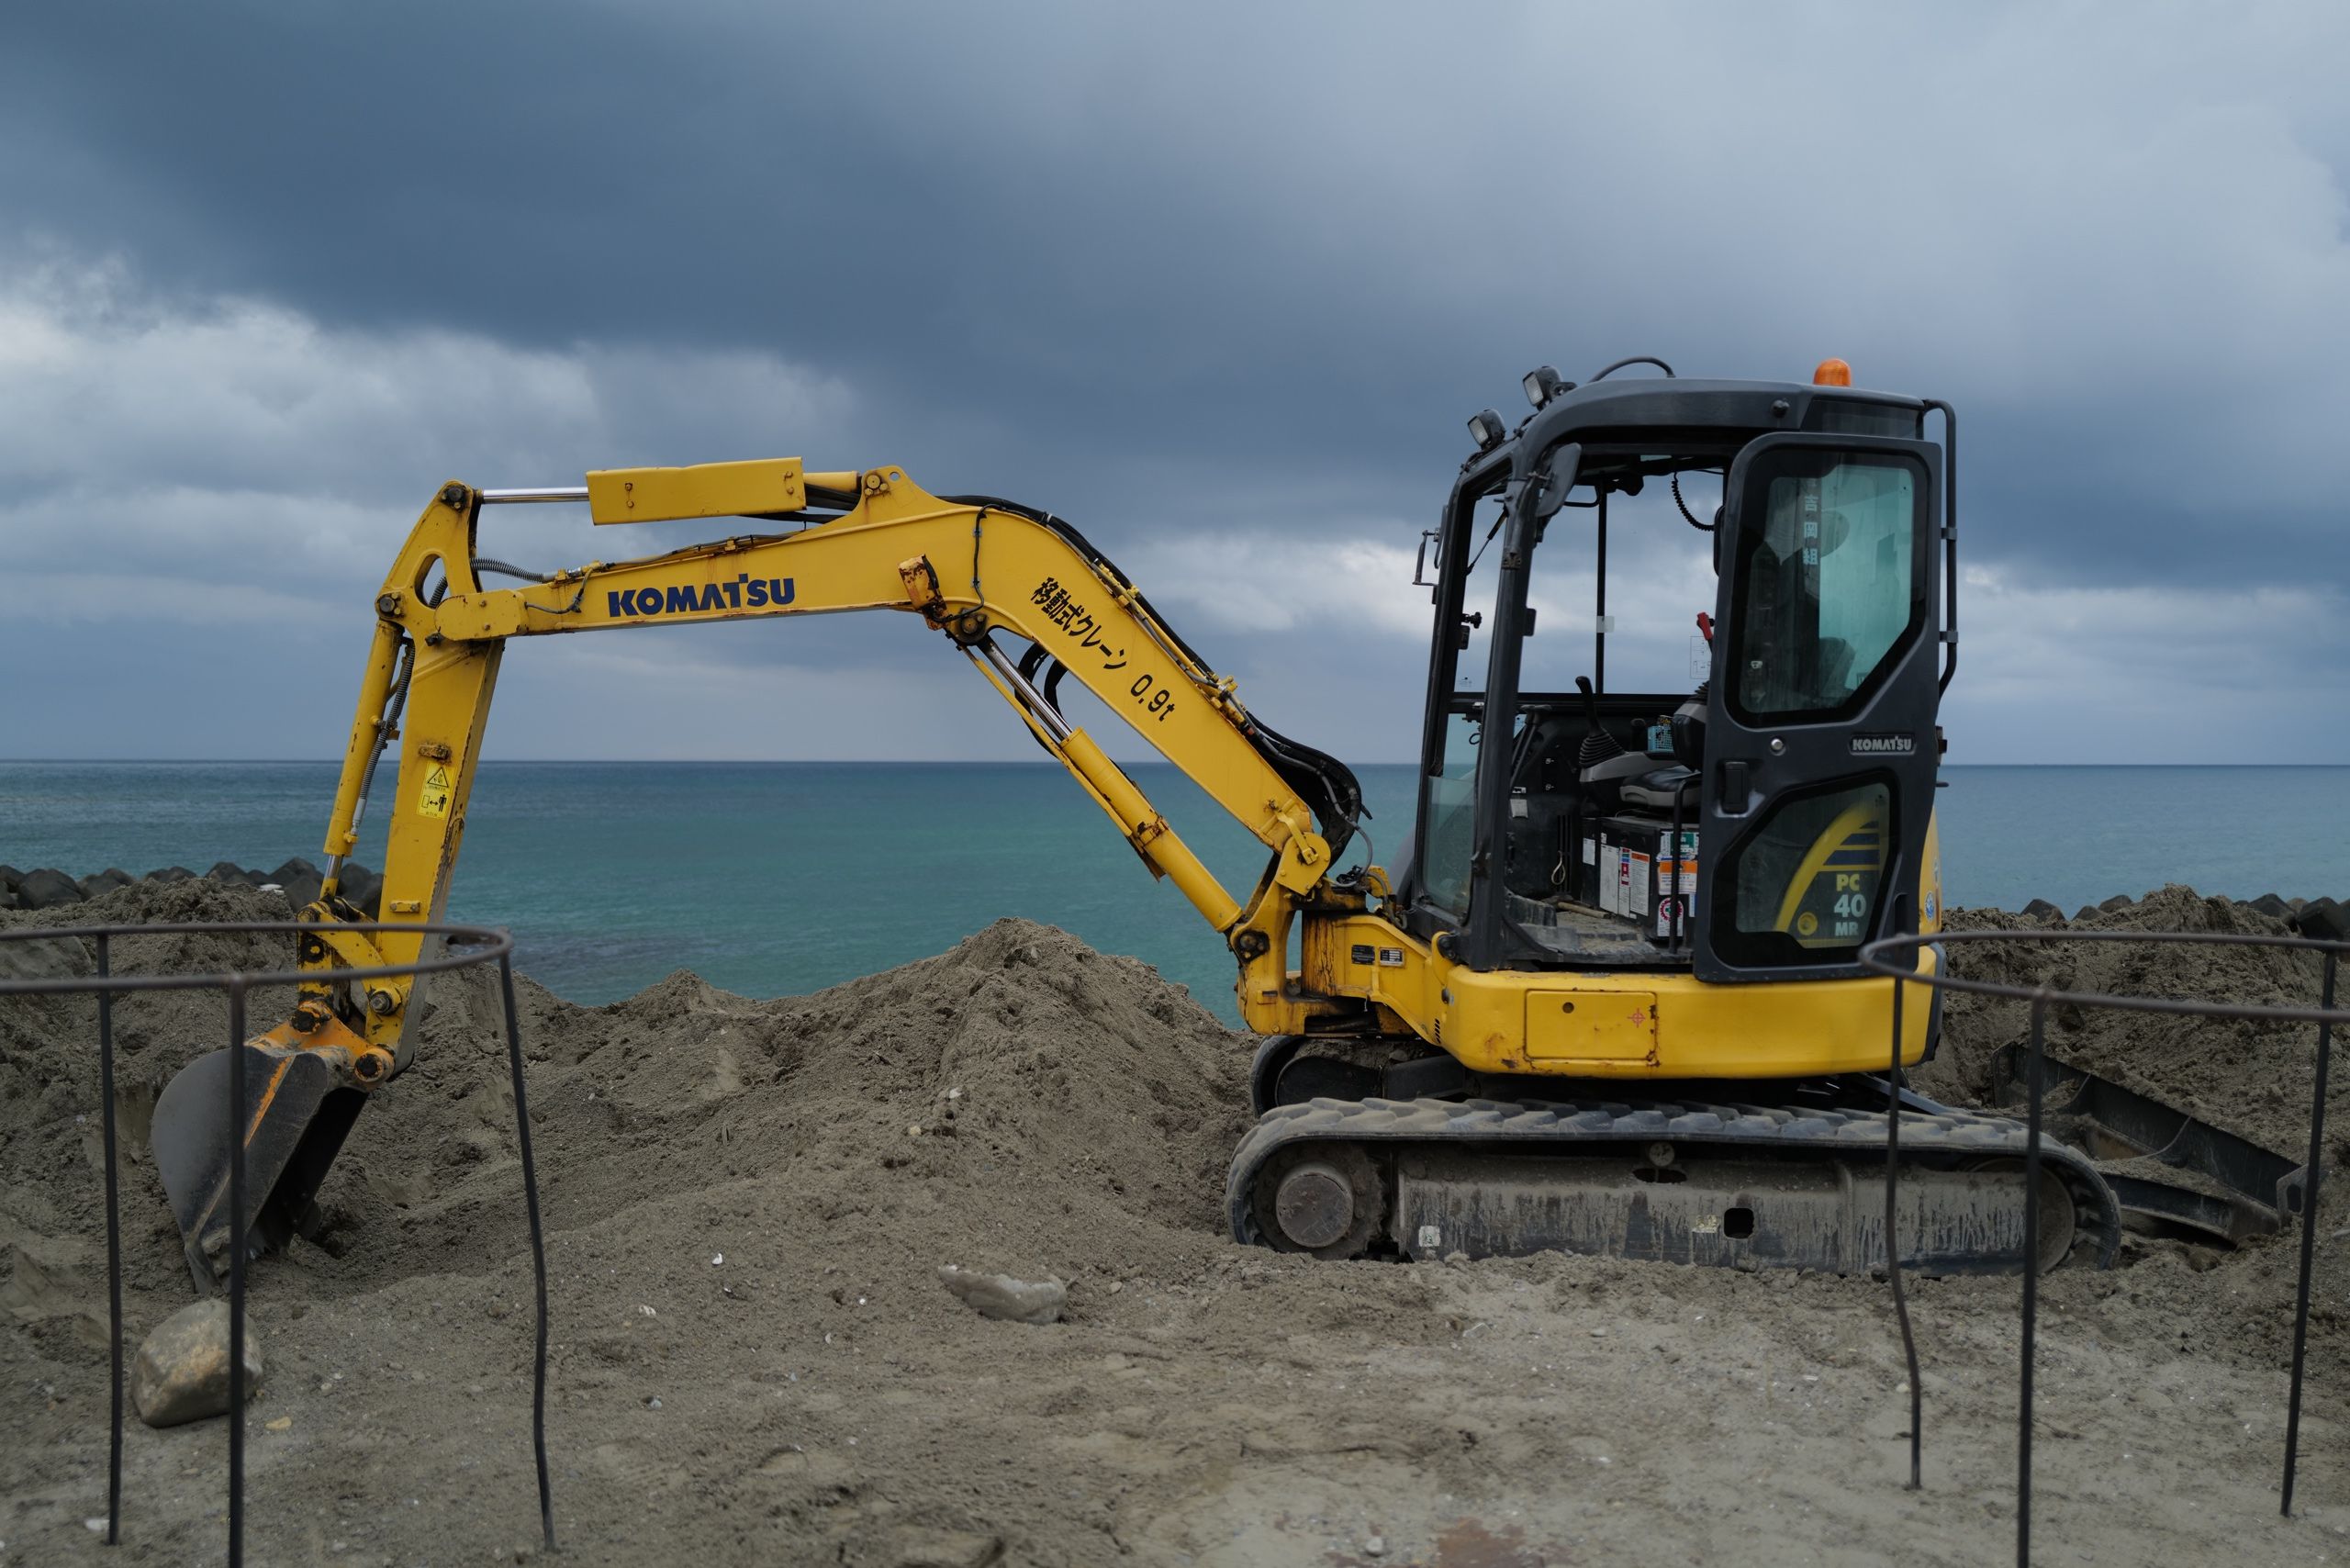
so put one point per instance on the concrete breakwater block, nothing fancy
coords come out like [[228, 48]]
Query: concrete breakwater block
[[2324, 918], [297, 878], [46, 888], [182, 1370]]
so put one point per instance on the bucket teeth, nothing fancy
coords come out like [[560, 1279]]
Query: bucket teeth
[[295, 1111]]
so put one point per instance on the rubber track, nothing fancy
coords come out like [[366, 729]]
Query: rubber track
[[1522, 1126]]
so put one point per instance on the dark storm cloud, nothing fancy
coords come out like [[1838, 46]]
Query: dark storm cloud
[[1241, 272]]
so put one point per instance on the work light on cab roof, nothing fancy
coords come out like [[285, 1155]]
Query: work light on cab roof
[[1542, 384]]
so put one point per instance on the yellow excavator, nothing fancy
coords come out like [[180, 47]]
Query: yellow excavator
[[1608, 997]]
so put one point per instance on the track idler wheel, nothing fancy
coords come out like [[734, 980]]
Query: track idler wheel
[[2059, 1220], [1325, 1200]]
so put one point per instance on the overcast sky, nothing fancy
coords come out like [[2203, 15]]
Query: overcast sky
[[1222, 287]]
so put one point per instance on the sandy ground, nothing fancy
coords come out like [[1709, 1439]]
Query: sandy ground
[[818, 1396]]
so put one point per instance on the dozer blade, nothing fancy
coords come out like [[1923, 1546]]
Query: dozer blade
[[295, 1112], [2164, 1165]]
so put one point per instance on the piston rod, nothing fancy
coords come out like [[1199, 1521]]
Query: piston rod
[[536, 493]]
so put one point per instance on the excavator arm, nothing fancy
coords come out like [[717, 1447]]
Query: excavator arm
[[974, 570]]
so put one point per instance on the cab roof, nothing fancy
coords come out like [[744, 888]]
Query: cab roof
[[1660, 414]]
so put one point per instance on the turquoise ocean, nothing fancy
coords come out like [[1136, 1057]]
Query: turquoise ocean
[[771, 878]]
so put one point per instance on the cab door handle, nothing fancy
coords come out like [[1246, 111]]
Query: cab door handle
[[1736, 788]]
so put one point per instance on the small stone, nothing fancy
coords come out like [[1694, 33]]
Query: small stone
[[181, 1372], [716, 1259], [654, 1403], [647, 1312], [283, 1424], [1374, 1546], [1001, 1297], [97, 1525], [915, 1131]]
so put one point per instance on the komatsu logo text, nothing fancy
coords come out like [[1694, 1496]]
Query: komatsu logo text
[[1885, 745], [745, 592]]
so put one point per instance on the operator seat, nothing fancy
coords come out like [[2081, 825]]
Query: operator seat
[[1663, 789]]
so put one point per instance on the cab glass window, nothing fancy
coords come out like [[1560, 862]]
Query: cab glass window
[[1452, 814], [1803, 886], [1831, 581]]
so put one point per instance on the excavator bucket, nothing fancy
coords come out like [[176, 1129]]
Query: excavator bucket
[[295, 1111]]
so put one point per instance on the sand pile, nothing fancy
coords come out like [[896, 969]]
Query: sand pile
[[2253, 1079], [1014, 1101], [1021, 1101], [754, 1360]]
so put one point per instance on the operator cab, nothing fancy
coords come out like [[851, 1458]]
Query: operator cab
[[1752, 800]]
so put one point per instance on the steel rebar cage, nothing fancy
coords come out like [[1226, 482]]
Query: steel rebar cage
[[463, 947], [1897, 956]]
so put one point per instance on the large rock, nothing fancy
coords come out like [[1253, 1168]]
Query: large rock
[[53, 958], [229, 871], [1000, 1295], [2272, 906], [2040, 909], [182, 1370], [46, 888], [172, 874], [104, 881]]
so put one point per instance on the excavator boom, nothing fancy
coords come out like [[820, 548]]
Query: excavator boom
[[975, 570]]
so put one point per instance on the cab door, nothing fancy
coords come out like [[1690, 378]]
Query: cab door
[[1821, 749]]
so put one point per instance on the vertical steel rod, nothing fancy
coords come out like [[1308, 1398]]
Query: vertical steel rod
[[538, 1249], [2309, 1236], [2031, 1282], [114, 1247], [1892, 1245], [236, 1270]]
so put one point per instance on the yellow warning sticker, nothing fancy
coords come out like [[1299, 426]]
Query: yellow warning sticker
[[432, 800]]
